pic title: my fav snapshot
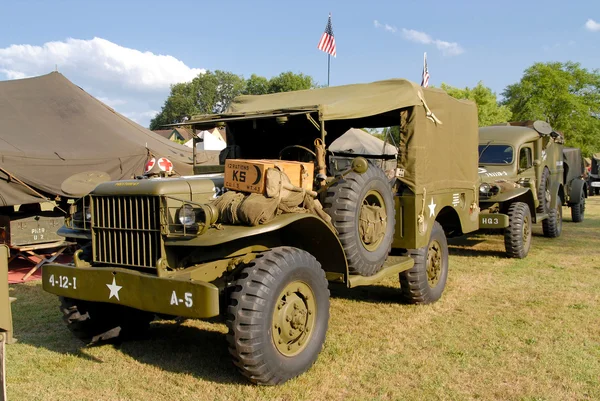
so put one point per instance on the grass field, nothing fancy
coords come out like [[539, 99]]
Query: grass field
[[504, 329]]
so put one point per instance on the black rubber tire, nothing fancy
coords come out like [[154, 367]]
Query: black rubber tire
[[414, 283], [544, 206], [253, 300], [96, 321], [343, 203], [578, 209], [519, 223], [552, 226]]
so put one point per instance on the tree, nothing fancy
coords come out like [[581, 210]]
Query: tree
[[256, 85], [489, 111], [288, 81], [563, 94], [213, 92]]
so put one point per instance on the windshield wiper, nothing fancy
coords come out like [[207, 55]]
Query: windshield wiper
[[487, 145]]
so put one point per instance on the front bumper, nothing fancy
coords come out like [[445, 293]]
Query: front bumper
[[170, 296]]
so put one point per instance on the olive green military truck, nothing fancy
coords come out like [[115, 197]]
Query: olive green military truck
[[576, 186], [187, 247], [521, 172]]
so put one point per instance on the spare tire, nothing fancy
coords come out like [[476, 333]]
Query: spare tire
[[362, 210]]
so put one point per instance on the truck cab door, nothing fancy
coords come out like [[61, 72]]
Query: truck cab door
[[526, 170]]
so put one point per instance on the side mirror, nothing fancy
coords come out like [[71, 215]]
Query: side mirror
[[536, 163], [360, 165]]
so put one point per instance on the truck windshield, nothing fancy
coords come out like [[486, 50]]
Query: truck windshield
[[495, 154]]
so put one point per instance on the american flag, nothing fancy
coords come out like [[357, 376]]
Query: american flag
[[425, 80], [327, 42]]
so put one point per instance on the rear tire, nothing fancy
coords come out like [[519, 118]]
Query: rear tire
[[517, 236], [552, 226], [578, 209], [95, 321], [278, 315], [350, 199], [424, 283]]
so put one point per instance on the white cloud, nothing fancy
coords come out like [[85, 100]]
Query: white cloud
[[10, 74], [140, 117], [385, 27], [111, 102], [133, 82], [447, 48], [100, 59], [592, 25]]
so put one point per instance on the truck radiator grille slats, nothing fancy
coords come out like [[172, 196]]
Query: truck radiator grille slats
[[126, 230]]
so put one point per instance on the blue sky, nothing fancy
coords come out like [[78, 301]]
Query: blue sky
[[128, 52]]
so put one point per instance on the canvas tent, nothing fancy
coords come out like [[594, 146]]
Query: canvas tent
[[357, 141], [209, 141], [50, 130]]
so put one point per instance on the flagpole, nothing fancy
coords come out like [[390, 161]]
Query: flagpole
[[328, 63]]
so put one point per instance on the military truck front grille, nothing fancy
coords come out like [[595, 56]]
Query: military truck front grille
[[127, 230]]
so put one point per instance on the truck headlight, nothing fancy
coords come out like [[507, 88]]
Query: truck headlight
[[485, 188], [187, 215], [88, 214]]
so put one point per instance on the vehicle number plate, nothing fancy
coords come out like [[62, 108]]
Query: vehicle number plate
[[596, 184], [63, 281]]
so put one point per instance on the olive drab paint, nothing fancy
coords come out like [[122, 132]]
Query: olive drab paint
[[6, 325]]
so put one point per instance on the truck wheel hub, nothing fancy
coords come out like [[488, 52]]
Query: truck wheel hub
[[293, 318], [434, 263], [372, 220]]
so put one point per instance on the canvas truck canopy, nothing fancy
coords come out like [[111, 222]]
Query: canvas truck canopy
[[574, 161], [50, 130], [439, 139]]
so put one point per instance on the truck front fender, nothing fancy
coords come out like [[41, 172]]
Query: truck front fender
[[300, 230], [509, 195]]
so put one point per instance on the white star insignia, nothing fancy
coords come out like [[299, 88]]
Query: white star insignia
[[114, 289], [431, 207]]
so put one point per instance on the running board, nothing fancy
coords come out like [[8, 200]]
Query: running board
[[540, 216], [356, 280]]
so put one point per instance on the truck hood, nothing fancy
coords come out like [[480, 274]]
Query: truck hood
[[207, 184], [491, 174]]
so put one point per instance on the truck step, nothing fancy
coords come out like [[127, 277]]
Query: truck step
[[405, 263], [541, 216]]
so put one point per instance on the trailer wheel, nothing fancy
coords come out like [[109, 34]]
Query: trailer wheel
[[424, 283], [95, 321], [517, 236], [552, 226], [278, 315], [578, 209]]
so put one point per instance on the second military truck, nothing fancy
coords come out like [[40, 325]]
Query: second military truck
[[521, 172]]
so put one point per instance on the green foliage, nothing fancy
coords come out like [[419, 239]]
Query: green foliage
[[489, 111], [213, 92], [563, 94], [288, 81]]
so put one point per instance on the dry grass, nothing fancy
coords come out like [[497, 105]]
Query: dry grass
[[505, 329]]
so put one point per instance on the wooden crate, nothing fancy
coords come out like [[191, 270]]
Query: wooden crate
[[249, 175]]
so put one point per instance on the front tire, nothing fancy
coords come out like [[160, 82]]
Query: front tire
[[544, 195], [361, 207], [424, 283], [517, 236], [278, 315]]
